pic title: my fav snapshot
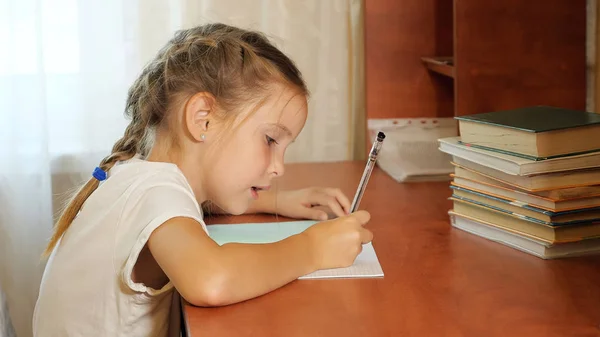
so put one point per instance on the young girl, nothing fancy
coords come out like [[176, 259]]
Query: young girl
[[211, 118]]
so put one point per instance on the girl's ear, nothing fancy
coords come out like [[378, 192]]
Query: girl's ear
[[197, 114]]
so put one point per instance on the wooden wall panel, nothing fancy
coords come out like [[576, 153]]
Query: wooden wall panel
[[596, 61], [397, 34], [513, 53]]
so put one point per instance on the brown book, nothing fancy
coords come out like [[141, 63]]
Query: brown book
[[541, 182], [526, 244], [522, 226], [520, 197], [516, 165], [550, 217], [538, 132], [556, 194]]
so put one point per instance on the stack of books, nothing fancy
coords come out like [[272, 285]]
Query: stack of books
[[528, 178]]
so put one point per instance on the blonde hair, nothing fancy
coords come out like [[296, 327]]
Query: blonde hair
[[232, 64]]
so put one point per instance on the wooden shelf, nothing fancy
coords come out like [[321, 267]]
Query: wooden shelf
[[441, 65], [446, 58]]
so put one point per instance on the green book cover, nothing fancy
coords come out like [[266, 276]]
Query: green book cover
[[536, 118]]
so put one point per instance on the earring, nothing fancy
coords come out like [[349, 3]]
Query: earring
[[202, 136]]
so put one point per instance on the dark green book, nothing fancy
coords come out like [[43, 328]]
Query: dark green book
[[539, 132]]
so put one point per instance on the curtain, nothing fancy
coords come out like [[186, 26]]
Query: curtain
[[66, 65], [6, 329]]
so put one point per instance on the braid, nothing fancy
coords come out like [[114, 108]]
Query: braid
[[145, 108], [128, 146]]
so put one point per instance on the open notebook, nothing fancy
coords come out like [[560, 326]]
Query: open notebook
[[365, 265]]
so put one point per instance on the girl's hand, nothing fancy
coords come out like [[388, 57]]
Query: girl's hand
[[299, 203], [336, 243]]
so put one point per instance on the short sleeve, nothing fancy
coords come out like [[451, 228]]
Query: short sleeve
[[153, 203]]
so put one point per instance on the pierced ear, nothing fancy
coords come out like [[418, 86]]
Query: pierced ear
[[198, 112]]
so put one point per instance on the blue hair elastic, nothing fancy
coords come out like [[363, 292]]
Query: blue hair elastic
[[99, 174]]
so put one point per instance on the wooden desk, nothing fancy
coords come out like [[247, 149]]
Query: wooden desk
[[438, 281]]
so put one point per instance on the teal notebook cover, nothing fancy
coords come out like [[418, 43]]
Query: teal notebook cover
[[257, 232], [536, 118]]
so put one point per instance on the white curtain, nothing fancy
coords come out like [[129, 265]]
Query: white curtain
[[65, 66]]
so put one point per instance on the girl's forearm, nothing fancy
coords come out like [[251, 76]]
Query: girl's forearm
[[251, 270]]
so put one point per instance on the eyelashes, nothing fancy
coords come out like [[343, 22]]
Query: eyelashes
[[270, 140]]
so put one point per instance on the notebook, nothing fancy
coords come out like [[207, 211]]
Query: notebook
[[365, 265]]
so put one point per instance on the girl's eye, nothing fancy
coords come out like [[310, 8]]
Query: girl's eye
[[270, 140]]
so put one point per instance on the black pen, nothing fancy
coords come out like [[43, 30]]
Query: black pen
[[368, 169]]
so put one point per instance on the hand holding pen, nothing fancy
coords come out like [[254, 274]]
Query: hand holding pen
[[336, 243]]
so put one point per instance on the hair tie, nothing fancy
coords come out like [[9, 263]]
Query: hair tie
[[99, 174]]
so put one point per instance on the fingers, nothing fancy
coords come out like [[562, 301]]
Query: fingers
[[331, 201], [316, 214], [341, 199], [362, 216], [366, 236]]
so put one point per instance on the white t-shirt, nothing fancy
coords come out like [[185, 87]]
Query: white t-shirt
[[86, 289]]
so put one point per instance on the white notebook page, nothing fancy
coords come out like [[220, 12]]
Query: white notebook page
[[365, 265]]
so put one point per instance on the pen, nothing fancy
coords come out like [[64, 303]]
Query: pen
[[368, 169]]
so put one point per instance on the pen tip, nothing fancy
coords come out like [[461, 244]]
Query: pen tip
[[380, 136]]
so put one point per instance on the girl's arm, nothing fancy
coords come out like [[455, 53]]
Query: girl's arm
[[296, 203], [265, 204], [207, 274]]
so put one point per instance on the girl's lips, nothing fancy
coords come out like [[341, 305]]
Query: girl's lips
[[255, 189], [254, 193]]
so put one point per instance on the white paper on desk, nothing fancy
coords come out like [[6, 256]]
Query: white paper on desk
[[365, 265]]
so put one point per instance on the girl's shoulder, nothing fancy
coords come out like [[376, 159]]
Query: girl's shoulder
[[146, 191], [139, 170], [136, 181]]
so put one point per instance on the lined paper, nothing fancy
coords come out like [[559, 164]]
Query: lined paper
[[365, 265]]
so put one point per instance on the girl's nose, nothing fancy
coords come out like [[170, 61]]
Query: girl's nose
[[277, 168]]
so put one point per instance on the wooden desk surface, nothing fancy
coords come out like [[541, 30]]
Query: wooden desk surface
[[439, 281]]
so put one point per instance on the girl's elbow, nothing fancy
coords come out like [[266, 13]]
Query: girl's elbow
[[208, 298], [208, 293]]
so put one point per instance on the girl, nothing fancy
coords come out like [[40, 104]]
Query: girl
[[211, 118]]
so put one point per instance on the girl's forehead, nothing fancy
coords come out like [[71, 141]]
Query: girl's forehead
[[283, 104]]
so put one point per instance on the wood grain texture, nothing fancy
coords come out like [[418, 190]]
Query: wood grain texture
[[596, 66], [438, 281], [440, 65], [516, 53], [397, 35]]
